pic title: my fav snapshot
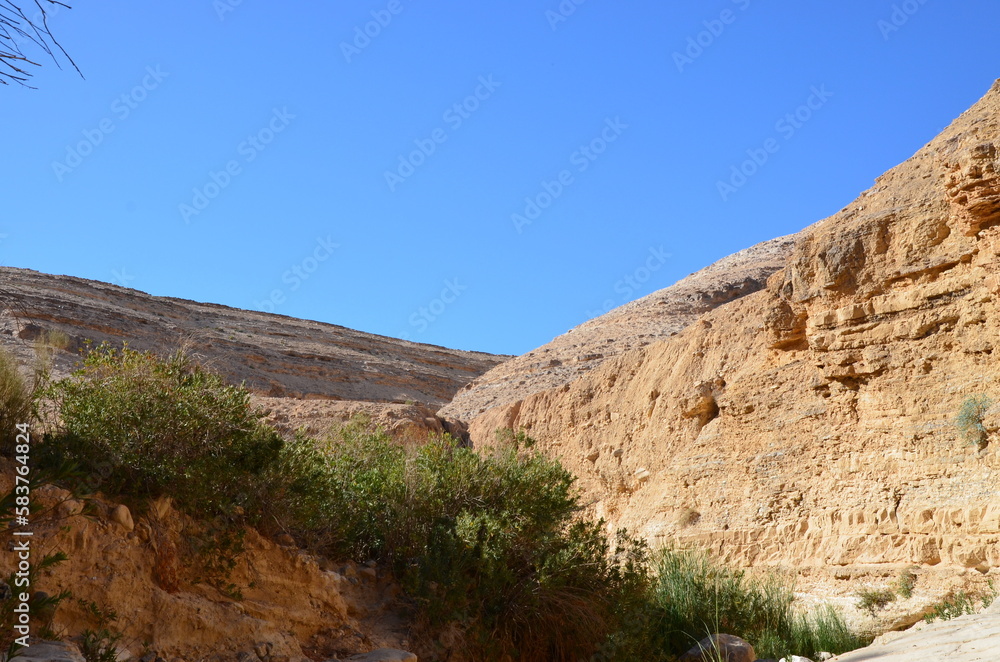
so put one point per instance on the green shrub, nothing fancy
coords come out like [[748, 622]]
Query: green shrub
[[970, 419], [961, 603], [905, 583], [953, 606], [489, 540], [873, 599], [164, 426]]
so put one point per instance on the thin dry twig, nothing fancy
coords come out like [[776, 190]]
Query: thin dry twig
[[18, 30]]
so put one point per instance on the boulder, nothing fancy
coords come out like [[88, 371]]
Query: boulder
[[49, 651], [121, 515], [720, 648]]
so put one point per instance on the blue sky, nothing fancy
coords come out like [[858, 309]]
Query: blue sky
[[476, 175]]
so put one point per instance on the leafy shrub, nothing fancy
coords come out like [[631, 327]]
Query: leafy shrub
[[905, 583], [491, 541], [873, 599], [164, 425], [970, 419]]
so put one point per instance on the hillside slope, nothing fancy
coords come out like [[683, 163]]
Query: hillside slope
[[636, 324], [275, 355], [812, 423]]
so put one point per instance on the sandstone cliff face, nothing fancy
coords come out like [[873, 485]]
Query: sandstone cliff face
[[811, 423], [275, 355], [659, 315]]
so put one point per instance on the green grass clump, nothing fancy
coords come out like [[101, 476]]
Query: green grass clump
[[694, 595], [17, 401]]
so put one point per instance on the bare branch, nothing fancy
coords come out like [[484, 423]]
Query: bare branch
[[18, 30]]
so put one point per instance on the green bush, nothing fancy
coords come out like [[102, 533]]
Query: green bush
[[970, 419], [162, 426], [873, 599], [489, 540], [961, 603], [693, 596], [905, 583]]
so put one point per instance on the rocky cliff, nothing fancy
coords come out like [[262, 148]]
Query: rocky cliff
[[811, 423], [659, 315]]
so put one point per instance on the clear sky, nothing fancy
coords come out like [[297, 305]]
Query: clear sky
[[480, 175]]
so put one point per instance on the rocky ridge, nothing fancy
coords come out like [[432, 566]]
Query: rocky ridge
[[657, 316], [275, 355]]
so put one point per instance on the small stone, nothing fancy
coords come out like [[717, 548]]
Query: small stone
[[284, 540], [122, 515], [69, 508], [369, 574]]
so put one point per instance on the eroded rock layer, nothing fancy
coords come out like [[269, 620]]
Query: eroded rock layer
[[813, 423]]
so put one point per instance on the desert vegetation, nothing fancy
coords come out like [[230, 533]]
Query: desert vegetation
[[492, 542]]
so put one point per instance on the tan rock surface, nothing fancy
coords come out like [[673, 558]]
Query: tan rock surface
[[974, 638], [811, 423], [292, 603]]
